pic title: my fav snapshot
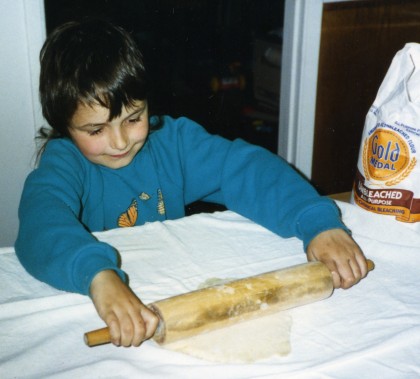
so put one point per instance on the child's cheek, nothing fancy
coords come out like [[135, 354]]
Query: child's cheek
[[91, 146]]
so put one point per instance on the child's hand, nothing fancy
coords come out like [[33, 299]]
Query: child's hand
[[340, 253], [130, 322]]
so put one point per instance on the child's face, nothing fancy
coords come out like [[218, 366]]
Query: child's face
[[112, 143]]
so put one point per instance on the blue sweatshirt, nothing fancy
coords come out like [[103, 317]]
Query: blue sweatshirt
[[67, 197]]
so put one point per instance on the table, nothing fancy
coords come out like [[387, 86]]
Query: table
[[370, 330]]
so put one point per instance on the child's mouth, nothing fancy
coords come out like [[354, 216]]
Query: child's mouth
[[119, 156]]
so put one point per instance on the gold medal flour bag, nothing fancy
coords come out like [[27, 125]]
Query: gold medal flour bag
[[388, 172]]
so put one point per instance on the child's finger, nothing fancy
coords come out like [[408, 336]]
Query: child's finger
[[151, 321], [336, 279], [114, 331], [139, 332], [361, 260]]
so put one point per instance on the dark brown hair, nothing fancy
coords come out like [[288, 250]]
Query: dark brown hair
[[92, 61]]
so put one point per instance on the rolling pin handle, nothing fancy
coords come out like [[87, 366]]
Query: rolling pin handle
[[97, 337], [101, 336], [370, 265]]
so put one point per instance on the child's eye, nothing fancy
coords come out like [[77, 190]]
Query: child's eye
[[134, 120], [95, 132]]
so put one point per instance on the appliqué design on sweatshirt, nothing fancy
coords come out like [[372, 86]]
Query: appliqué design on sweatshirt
[[129, 217], [160, 205], [144, 196]]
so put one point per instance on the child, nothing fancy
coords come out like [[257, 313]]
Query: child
[[107, 164]]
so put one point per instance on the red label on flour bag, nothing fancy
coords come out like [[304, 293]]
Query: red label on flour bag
[[388, 172]]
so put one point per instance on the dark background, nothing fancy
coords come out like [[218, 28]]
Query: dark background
[[186, 44]]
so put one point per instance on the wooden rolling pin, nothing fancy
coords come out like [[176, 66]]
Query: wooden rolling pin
[[216, 307]]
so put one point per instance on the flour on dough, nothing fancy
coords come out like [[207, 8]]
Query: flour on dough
[[244, 342]]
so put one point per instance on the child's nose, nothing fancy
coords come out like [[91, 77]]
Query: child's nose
[[119, 139]]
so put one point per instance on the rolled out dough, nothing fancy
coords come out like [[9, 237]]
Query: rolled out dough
[[244, 342]]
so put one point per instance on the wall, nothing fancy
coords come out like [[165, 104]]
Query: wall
[[301, 37], [21, 36]]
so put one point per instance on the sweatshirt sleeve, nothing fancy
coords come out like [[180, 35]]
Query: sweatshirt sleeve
[[52, 244], [255, 183], [265, 188]]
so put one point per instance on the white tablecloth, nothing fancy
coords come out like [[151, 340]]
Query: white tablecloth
[[369, 331]]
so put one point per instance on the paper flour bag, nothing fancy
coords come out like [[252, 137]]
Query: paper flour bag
[[388, 170]]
